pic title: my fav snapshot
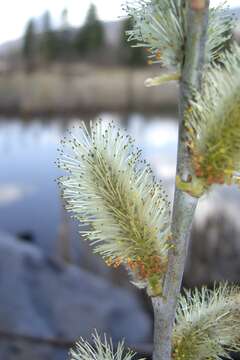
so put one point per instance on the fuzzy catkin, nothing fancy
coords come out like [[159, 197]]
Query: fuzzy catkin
[[161, 26], [213, 124], [99, 350], [112, 189], [207, 324]]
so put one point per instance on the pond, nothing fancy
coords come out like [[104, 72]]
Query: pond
[[30, 204]]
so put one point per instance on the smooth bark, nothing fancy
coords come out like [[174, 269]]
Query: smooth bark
[[184, 205]]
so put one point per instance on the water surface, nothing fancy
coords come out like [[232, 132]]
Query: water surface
[[30, 205]]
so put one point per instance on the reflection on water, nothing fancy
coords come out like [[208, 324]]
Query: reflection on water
[[29, 196]]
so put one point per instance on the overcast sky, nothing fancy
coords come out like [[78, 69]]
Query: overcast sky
[[15, 13]]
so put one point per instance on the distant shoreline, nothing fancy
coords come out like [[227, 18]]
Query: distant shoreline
[[66, 91]]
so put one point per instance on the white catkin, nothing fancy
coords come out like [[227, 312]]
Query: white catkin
[[207, 323], [161, 26], [112, 189], [99, 350], [213, 120]]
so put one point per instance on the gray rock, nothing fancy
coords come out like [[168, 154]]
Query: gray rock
[[41, 298]]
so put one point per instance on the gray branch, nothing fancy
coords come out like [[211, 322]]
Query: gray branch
[[184, 205]]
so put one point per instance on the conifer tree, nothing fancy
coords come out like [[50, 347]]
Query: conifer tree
[[29, 45], [65, 47], [48, 42], [90, 36]]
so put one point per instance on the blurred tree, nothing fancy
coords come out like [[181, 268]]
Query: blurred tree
[[29, 45], [90, 36], [131, 56], [65, 38], [64, 19], [49, 43]]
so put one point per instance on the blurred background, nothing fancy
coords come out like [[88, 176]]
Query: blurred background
[[61, 62]]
